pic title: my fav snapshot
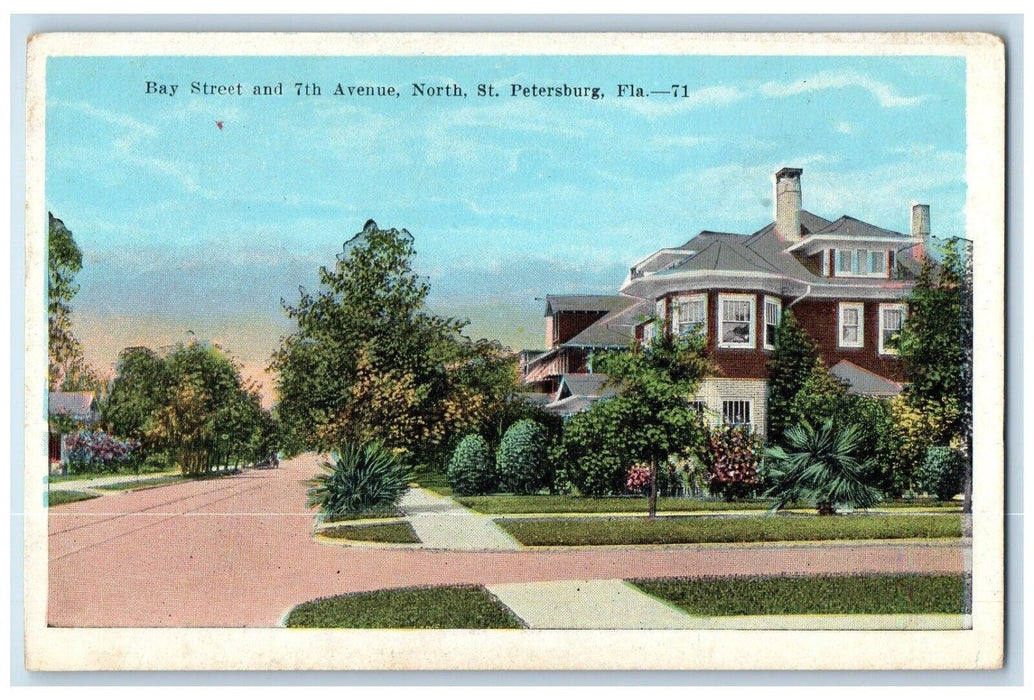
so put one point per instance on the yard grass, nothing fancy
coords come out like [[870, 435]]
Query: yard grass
[[441, 607], [58, 478], [432, 481], [58, 498], [383, 512], [812, 595], [401, 533], [541, 503], [569, 532], [144, 483]]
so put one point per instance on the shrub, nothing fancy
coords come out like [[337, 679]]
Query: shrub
[[521, 463], [732, 455], [96, 451], [470, 471], [914, 430], [821, 468], [638, 481], [942, 472], [357, 480]]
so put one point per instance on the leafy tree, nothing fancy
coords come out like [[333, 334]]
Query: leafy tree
[[141, 386], [651, 417], [68, 370], [794, 361], [941, 472], [819, 465], [367, 353], [936, 344]]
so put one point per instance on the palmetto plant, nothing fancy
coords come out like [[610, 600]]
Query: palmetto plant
[[819, 465], [357, 479]]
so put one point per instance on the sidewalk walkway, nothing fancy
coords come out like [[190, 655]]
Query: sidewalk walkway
[[441, 523], [615, 605], [98, 482]]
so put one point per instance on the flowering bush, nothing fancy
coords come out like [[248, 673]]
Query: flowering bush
[[732, 455], [638, 480], [96, 451]]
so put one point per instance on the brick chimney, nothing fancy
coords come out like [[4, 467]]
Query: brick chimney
[[921, 226], [788, 203]]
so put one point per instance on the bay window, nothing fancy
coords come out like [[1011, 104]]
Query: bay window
[[689, 315], [736, 321], [773, 312]]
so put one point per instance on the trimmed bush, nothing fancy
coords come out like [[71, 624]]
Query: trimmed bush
[[942, 472], [471, 471], [357, 480], [732, 456], [520, 461], [96, 451]]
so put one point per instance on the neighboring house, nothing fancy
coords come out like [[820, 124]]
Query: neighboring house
[[576, 326], [75, 407], [846, 281], [578, 391]]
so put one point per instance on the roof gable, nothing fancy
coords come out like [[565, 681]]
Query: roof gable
[[585, 302]]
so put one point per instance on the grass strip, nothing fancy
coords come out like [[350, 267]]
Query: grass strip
[[812, 595], [516, 505], [401, 533], [58, 498], [500, 505], [385, 512], [143, 483], [441, 607], [703, 529]]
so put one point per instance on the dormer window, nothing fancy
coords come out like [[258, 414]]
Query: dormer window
[[860, 262]]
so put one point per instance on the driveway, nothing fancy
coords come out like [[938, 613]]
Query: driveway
[[238, 552]]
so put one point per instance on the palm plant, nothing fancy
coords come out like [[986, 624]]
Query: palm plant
[[819, 466], [358, 479]]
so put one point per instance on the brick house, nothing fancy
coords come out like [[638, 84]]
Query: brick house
[[845, 279]]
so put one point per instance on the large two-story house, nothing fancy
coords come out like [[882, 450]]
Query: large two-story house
[[846, 281]]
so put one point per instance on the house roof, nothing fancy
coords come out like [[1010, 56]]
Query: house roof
[[585, 302], [615, 329], [861, 381], [570, 405], [535, 398], [70, 403], [850, 227], [588, 385]]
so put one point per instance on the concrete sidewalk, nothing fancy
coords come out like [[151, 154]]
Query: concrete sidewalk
[[441, 523], [615, 605]]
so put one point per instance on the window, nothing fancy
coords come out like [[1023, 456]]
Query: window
[[860, 263], [852, 325], [737, 321], [649, 333], [773, 311], [689, 314], [736, 412], [892, 320]]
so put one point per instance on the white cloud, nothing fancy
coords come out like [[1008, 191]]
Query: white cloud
[[833, 80], [845, 128]]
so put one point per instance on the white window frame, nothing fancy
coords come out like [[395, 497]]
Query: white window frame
[[856, 266], [649, 333], [825, 262], [778, 303], [750, 412], [860, 307], [752, 326], [903, 308], [676, 304]]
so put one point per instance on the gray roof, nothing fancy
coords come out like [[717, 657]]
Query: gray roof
[[616, 329], [585, 302], [70, 403], [851, 227], [535, 398], [861, 381], [590, 385]]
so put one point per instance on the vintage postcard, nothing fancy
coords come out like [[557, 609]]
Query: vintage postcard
[[514, 351]]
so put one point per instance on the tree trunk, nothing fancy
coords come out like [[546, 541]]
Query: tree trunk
[[653, 488], [825, 508]]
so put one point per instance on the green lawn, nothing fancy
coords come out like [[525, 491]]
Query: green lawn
[[811, 595], [517, 505], [442, 607], [385, 512], [388, 532], [700, 529], [144, 483], [505, 504], [433, 481], [57, 498], [56, 479]]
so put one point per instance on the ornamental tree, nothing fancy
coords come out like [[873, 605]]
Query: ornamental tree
[[794, 361]]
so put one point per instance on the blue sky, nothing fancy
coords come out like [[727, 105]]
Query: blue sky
[[188, 227]]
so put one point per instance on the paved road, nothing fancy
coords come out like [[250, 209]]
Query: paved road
[[238, 552]]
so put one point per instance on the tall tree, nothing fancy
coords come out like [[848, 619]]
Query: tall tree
[[656, 385], [366, 353], [936, 343], [67, 369], [794, 362]]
